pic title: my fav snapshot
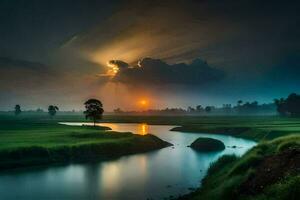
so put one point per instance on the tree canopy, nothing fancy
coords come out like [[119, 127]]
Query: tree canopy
[[17, 109], [52, 110], [94, 110], [289, 106]]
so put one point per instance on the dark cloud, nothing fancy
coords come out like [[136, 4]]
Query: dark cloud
[[155, 72], [7, 62], [119, 63], [32, 29], [18, 74]]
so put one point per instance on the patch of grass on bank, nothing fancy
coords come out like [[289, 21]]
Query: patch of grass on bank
[[288, 189], [27, 142], [268, 171]]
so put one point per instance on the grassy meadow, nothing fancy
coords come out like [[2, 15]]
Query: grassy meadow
[[38, 139], [268, 171]]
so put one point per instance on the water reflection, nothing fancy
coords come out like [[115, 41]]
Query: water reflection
[[156, 174], [143, 129]]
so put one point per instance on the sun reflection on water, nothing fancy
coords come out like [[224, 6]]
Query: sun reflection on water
[[143, 129]]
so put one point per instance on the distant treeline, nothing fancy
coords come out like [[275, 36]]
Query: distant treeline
[[247, 108], [285, 107]]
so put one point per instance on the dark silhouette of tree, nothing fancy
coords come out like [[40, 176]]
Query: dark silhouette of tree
[[191, 109], [293, 104], [280, 106], [52, 110], [199, 108], [94, 110], [290, 106], [248, 107], [239, 103], [18, 109], [208, 109]]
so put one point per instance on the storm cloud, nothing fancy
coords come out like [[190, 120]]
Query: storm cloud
[[155, 72]]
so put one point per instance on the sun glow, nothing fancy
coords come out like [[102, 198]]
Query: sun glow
[[113, 69], [143, 102]]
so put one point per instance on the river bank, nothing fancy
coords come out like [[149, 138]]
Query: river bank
[[36, 142], [268, 171]]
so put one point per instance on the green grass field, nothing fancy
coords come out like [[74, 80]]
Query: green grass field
[[35, 140]]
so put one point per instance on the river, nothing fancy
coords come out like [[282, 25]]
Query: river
[[154, 175]]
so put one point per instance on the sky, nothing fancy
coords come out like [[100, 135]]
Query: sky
[[165, 53]]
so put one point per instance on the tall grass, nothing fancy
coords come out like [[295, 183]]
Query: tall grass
[[226, 175]]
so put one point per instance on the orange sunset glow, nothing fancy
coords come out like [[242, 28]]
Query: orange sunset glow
[[143, 103]]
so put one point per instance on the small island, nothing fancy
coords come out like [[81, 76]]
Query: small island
[[207, 144]]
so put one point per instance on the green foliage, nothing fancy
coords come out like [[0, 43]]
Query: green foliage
[[94, 110], [52, 110]]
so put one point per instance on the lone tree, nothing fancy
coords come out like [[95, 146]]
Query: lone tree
[[94, 110], [18, 109], [52, 110]]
